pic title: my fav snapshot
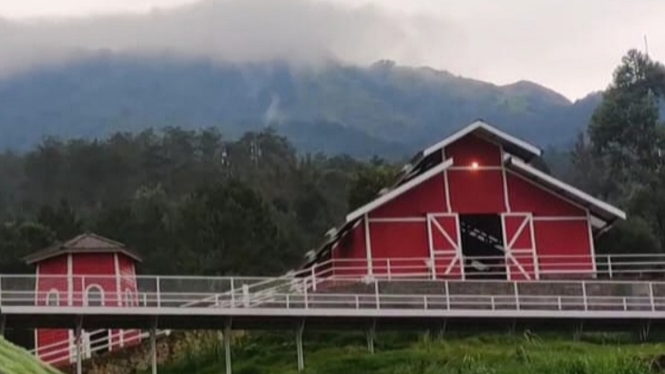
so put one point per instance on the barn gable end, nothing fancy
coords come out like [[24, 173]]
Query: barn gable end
[[471, 203]]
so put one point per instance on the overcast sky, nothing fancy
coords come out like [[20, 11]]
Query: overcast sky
[[571, 46]]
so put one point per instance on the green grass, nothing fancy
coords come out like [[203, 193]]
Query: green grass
[[272, 353], [15, 360]]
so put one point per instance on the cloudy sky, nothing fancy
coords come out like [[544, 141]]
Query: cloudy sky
[[571, 46]]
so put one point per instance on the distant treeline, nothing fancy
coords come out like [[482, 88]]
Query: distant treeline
[[188, 201]]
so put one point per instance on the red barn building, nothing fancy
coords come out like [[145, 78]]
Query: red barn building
[[471, 206], [88, 270]]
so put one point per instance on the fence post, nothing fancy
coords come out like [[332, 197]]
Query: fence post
[[584, 298], [1, 289], [517, 296], [314, 277], [376, 292], [609, 266], [388, 264], [651, 298], [245, 295], [305, 295], [159, 292], [447, 295], [233, 291]]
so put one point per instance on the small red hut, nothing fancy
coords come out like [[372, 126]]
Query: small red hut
[[471, 206], [88, 270]]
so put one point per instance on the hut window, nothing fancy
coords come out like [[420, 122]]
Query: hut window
[[53, 298], [94, 296]]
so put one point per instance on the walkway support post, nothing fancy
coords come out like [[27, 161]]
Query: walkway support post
[[227, 346], [3, 323], [442, 330], [301, 357], [371, 335], [79, 354], [153, 346]]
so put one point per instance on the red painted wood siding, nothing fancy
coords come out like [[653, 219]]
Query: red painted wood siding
[[527, 197], [352, 246], [52, 345], [129, 289], [399, 241], [469, 149], [53, 276], [91, 269], [476, 191], [429, 196], [563, 238]]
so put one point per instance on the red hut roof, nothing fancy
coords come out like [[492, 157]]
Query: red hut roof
[[84, 243]]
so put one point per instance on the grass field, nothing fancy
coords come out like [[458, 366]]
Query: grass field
[[15, 360], [400, 354]]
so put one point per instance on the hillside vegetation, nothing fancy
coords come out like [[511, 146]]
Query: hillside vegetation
[[487, 354], [383, 109], [16, 360]]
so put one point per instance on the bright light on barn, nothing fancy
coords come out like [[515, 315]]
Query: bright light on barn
[[474, 165]]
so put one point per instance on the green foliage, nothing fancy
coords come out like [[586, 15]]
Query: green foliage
[[624, 129], [488, 354], [623, 159], [188, 202], [369, 181], [15, 360]]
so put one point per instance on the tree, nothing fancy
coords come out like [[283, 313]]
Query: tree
[[625, 157], [624, 129], [229, 229], [61, 219], [369, 181]]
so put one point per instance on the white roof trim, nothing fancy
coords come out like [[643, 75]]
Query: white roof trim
[[84, 251], [597, 222], [485, 126], [568, 188], [398, 191]]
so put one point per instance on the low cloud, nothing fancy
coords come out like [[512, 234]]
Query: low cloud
[[300, 31]]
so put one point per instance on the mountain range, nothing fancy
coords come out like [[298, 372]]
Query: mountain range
[[383, 109]]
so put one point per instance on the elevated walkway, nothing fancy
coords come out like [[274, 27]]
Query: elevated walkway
[[625, 294]]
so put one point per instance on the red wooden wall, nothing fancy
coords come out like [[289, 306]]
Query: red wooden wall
[[52, 275]]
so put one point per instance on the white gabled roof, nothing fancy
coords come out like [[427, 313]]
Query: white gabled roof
[[596, 207], [398, 190], [489, 131]]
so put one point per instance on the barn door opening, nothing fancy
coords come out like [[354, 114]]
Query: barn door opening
[[483, 246]]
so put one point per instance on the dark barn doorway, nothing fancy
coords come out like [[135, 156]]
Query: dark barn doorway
[[483, 246]]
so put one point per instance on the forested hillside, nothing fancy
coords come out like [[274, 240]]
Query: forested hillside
[[383, 109], [189, 202]]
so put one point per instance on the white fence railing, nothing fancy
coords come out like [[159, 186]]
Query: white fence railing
[[515, 265], [355, 293], [65, 350]]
